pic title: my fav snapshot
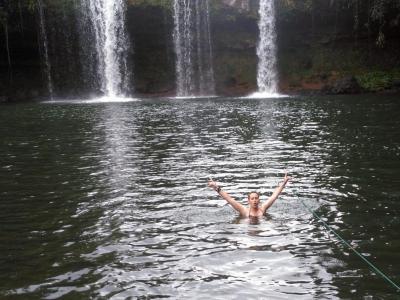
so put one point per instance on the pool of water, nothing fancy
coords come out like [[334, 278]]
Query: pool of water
[[110, 199]]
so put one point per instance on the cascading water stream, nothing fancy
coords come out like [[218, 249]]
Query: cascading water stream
[[45, 49], [106, 19], [209, 69], [266, 49], [193, 48]]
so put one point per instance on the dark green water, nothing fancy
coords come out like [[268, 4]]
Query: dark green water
[[109, 200]]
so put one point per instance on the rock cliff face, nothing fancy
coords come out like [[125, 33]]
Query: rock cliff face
[[316, 47], [238, 4]]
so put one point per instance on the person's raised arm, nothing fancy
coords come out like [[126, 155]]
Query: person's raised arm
[[275, 194], [236, 205]]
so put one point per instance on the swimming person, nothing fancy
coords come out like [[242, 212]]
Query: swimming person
[[254, 209]]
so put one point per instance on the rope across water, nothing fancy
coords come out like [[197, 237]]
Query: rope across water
[[372, 266]]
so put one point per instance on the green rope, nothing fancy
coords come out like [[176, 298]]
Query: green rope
[[376, 270]]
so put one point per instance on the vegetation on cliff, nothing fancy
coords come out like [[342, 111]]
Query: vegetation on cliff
[[323, 41]]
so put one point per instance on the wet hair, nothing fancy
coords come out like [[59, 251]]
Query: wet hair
[[248, 196]]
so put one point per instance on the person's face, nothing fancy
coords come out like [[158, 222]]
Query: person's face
[[254, 200]]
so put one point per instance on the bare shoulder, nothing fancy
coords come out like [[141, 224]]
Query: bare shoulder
[[244, 211]]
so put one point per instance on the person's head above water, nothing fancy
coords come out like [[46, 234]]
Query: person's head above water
[[254, 199]]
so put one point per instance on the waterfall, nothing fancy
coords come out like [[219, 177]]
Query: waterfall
[[193, 48], [45, 49], [105, 24], [266, 49]]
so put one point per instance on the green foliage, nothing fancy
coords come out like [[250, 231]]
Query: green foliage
[[378, 81], [30, 5], [374, 17], [293, 5]]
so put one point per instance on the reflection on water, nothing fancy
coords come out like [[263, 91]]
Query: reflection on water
[[110, 199]]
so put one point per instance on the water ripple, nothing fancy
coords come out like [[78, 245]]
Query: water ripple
[[110, 199]]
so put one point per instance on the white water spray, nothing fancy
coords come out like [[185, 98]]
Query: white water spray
[[266, 49], [107, 20], [193, 48]]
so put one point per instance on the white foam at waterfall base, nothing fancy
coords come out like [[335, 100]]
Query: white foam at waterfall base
[[194, 97], [265, 95], [105, 99]]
